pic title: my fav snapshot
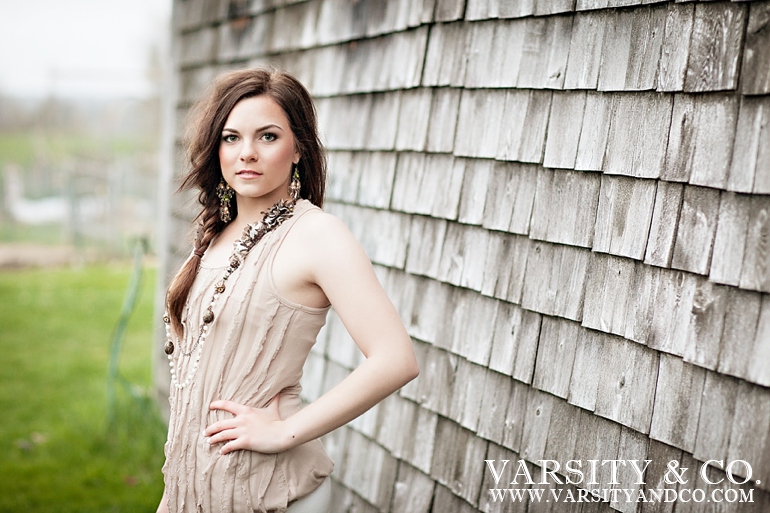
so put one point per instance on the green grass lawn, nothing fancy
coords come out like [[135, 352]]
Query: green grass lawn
[[57, 452]]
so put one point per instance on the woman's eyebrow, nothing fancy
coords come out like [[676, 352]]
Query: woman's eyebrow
[[260, 129]]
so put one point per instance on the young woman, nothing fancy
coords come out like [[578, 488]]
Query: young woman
[[245, 308]]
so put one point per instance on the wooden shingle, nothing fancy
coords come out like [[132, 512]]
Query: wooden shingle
[[523, 126], [471, 326], [494, 405], [755, 272], [632, 446], [677, 402], [554, 283], [537, 421], [751, 153], [376, 180], [426, 239], [409, 172], [589, 358], [608, 289], [506, 262], [624, 216], [481, 112], [545, 7], [631, 50], [555, 356], [716, 417], [759, 370], [476, 177], [510, 195], [413, 490], [437, 380], [670, 318], [443, 120], [515, 416], [739, 332], [545, 51], [715, 47], [381, 135], [756, 52], [418, 446], [445, 59], [449, 10], [562, 435], [494, 54], [633, 114], [659, 455], [457, 460], [445, 500], [594, 132], [488, 503], [706, 322], [730, 238], [577, 195], [561, 145], [463, 256], [696, 229], [641, 302], [515, 340], [449, 175], [749, 437], [675, 49], [665, 218], [302, 17], [626, 386], [343, 177], [598, 439], [413, 119], [429, 307], [585, 50], [465, 403]]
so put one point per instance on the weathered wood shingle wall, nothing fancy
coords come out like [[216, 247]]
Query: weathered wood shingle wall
[[568, 202]]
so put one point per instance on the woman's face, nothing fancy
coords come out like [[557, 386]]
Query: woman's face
[[257, 151]]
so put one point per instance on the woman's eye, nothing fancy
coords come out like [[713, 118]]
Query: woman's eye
[[229, 138], [269, 137]]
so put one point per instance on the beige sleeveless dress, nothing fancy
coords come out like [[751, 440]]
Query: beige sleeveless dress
[[256, 348]]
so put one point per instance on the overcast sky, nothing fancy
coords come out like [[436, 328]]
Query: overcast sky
[[82, 48]]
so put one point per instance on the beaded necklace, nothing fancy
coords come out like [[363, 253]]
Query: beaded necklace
[[252, 234]]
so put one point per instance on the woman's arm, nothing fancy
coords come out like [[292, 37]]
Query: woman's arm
[[163, 506], [339, 266]]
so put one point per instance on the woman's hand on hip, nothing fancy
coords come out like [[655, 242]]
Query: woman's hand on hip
[[253, 429]]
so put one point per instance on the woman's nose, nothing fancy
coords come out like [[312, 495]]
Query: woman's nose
[[248, 153]]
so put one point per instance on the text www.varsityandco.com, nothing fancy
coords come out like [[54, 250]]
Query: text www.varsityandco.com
[[584, 476]]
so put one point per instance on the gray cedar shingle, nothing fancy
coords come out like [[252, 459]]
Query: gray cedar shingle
[[587, 369], [444, 500], [715, 47], [478, 125], [598, 439], [544, 7], [471, 323], [413, 119], [751, 153], [326, 58], [465, 403], [696, 229], [759, 370], [445, 59], [608, 293], [463, 256], [376, 181], [494, 54], [633, 114], [536, 424], [665, 219], [632, 446], [562, 143], [523, 126], [407, 72], [494, 404], [740, 328], [626, 387], [302, 18], [730, 238], [749, 439], [437, 380], [418, 447], [624, 215], [426, 238], [586, 50], [413, 490], [756, 51], [631, 49], [706, 322], [675, 49], [382, 125], [480, 10], [457, 459], [716, 417], [506, 262], [510, 194], [343, 176], [338, 22], [514, 346], [515, 416], [544, 53], [371, 471], [428, 309], [474, 190], [659, 455], [641, 302], [755, 272], [555, 356], [562, 435], [577, 195], [712, 139], [585, 5], [446, 174], [345, 128], [554, 283], [199, 47], [443, 120], [384, 235], [409, 172], [449, 10], [594, 132], [670, 318], [677, 402], [487, 503]]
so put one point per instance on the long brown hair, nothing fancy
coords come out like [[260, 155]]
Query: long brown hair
[[203, 137]]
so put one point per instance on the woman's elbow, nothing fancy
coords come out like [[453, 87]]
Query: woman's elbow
[[411, 370]]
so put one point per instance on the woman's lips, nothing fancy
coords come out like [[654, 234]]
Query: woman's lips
[[247, 173]]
